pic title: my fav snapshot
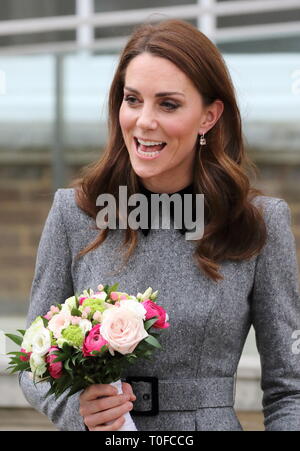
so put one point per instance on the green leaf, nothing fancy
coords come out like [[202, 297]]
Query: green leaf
[[60, 358], [67, 365], [150, 322], [76, 312], [17, 355], [22, 332], [153, 342], [67, 349], [15, 338], [45, 321], [112, 288]]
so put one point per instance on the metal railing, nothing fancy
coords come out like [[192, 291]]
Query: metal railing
[[85, 21], [206, 12]]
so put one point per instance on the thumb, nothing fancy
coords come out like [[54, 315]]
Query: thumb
[[127, 390]]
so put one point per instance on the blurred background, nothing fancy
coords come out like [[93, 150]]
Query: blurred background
[[57, 59]]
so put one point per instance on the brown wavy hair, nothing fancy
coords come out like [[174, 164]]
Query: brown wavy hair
[[235, 227]]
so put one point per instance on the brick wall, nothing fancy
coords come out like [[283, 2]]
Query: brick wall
[[26, 195]]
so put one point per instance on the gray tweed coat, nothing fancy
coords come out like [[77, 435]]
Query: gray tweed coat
[[209, 320]]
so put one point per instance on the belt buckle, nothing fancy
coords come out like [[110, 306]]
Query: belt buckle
[[136, 381]]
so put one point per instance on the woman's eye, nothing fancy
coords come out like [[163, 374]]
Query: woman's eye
[[129, 99], [170, 106]]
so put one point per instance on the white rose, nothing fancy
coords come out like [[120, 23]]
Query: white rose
[[35, 327], [123, 329], [37, 364], [41, 342], [134, 306], [85, 325], [59, 322]]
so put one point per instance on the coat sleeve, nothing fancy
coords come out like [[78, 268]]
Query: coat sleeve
[[52, 284], [275, 309]]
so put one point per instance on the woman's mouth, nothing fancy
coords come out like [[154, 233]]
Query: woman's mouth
[[148, 152]]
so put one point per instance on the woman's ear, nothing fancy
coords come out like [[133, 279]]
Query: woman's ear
[[212, 114]]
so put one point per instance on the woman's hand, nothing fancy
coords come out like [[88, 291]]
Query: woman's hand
[[100, 404]]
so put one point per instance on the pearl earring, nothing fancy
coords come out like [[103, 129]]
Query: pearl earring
[[202, 140]]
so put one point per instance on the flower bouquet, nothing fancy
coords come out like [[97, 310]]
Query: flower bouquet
[[90, 339]]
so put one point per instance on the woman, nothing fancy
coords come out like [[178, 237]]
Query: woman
[[174, 127]]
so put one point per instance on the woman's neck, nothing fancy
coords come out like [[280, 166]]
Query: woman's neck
[[164, 187]]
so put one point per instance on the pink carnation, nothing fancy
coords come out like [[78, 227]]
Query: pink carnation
[[93, 342], [55, 368], [156, 310]]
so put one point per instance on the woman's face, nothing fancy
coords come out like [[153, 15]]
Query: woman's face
[[161, 104]]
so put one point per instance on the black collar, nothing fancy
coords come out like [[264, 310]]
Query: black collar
[[187, 190]]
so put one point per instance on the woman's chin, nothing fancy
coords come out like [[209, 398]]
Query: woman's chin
[[145, 173]]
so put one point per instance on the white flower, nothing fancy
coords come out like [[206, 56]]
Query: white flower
[[59, 322], [35, 327], [153, 295], [69, 304], [102, 295], [87, 293], [41, 342], [85, 325], [146, 294], [135, 307], [37, 364]]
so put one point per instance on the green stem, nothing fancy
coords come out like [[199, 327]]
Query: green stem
[[88, 379]]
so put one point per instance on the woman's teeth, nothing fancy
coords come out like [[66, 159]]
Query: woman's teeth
[[149, 143], [148, 154], [149, 148]]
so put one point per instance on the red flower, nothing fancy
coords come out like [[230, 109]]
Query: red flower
[[93, 342], [156, 310], [23, 357], [55, 368]]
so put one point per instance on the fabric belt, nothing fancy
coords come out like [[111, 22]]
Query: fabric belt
[[182, 394]]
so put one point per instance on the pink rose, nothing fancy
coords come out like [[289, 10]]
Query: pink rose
[[55, 368], [93, 342], [156, 310], [123, 329], [23, 358]]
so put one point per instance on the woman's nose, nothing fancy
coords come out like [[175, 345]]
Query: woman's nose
[[146, 119]]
